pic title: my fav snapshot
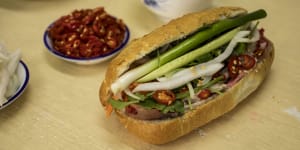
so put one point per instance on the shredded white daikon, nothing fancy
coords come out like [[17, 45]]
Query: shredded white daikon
[[177, 81], [239, 38], [9, 81], [129, 93], [205, 80], [191, 90]]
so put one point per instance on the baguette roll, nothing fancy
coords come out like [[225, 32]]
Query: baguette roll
[[161, 129]]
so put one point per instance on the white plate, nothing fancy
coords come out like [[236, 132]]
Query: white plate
[[23, 75]]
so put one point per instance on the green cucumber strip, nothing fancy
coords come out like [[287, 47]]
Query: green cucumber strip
[[185, 59]]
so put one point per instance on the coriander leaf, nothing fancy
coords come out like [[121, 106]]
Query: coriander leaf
[[121, 104], [144, 96], [151, 104], [182, 95], [177, 106]]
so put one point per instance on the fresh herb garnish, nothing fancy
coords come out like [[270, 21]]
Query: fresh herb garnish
[[121, 104], [186, 94], [177, 106], [210, 83], [151, 104]]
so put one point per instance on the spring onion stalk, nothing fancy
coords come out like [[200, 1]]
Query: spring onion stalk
[[238, 38], [126, 79], [240, 49], [185, 59]]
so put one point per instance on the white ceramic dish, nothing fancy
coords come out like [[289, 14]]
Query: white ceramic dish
[[23, 75], [85, 61], [170, 9]]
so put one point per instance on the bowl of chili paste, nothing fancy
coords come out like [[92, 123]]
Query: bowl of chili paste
[[86, 36]]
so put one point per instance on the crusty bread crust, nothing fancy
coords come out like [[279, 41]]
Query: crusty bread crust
[[175, 29], [163, 131]]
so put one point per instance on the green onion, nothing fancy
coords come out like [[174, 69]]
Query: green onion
[[185, 59], [240, 49]]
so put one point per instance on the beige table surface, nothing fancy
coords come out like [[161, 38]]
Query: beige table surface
[[60, 107]]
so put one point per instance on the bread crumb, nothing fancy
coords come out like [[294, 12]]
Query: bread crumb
[[201, 133], [293, 111]]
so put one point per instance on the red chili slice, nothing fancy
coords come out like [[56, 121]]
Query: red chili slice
[[238, 63], [95, 32], [233, 67], [166, 97], [246, 61], [204, 94]]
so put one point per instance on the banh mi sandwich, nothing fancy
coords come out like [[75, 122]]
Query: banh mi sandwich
[[187, 72]]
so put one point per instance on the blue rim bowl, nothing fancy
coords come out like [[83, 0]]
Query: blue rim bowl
[[85, 61], [23, 75]]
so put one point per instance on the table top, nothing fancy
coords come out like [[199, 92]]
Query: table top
[[60, 108]]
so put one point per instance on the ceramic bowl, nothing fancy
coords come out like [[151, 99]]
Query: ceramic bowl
[[170, 9], [85, 61], [23, 76]]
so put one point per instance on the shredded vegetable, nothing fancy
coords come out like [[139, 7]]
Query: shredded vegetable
[[8, 78], [129, 93], [189, 75], [239, 38], [192, 94]]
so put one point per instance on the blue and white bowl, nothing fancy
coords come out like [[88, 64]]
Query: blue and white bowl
[[23, 76], [85, 61], [170, 9]]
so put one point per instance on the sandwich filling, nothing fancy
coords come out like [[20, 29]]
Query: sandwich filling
[[182, 75]]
